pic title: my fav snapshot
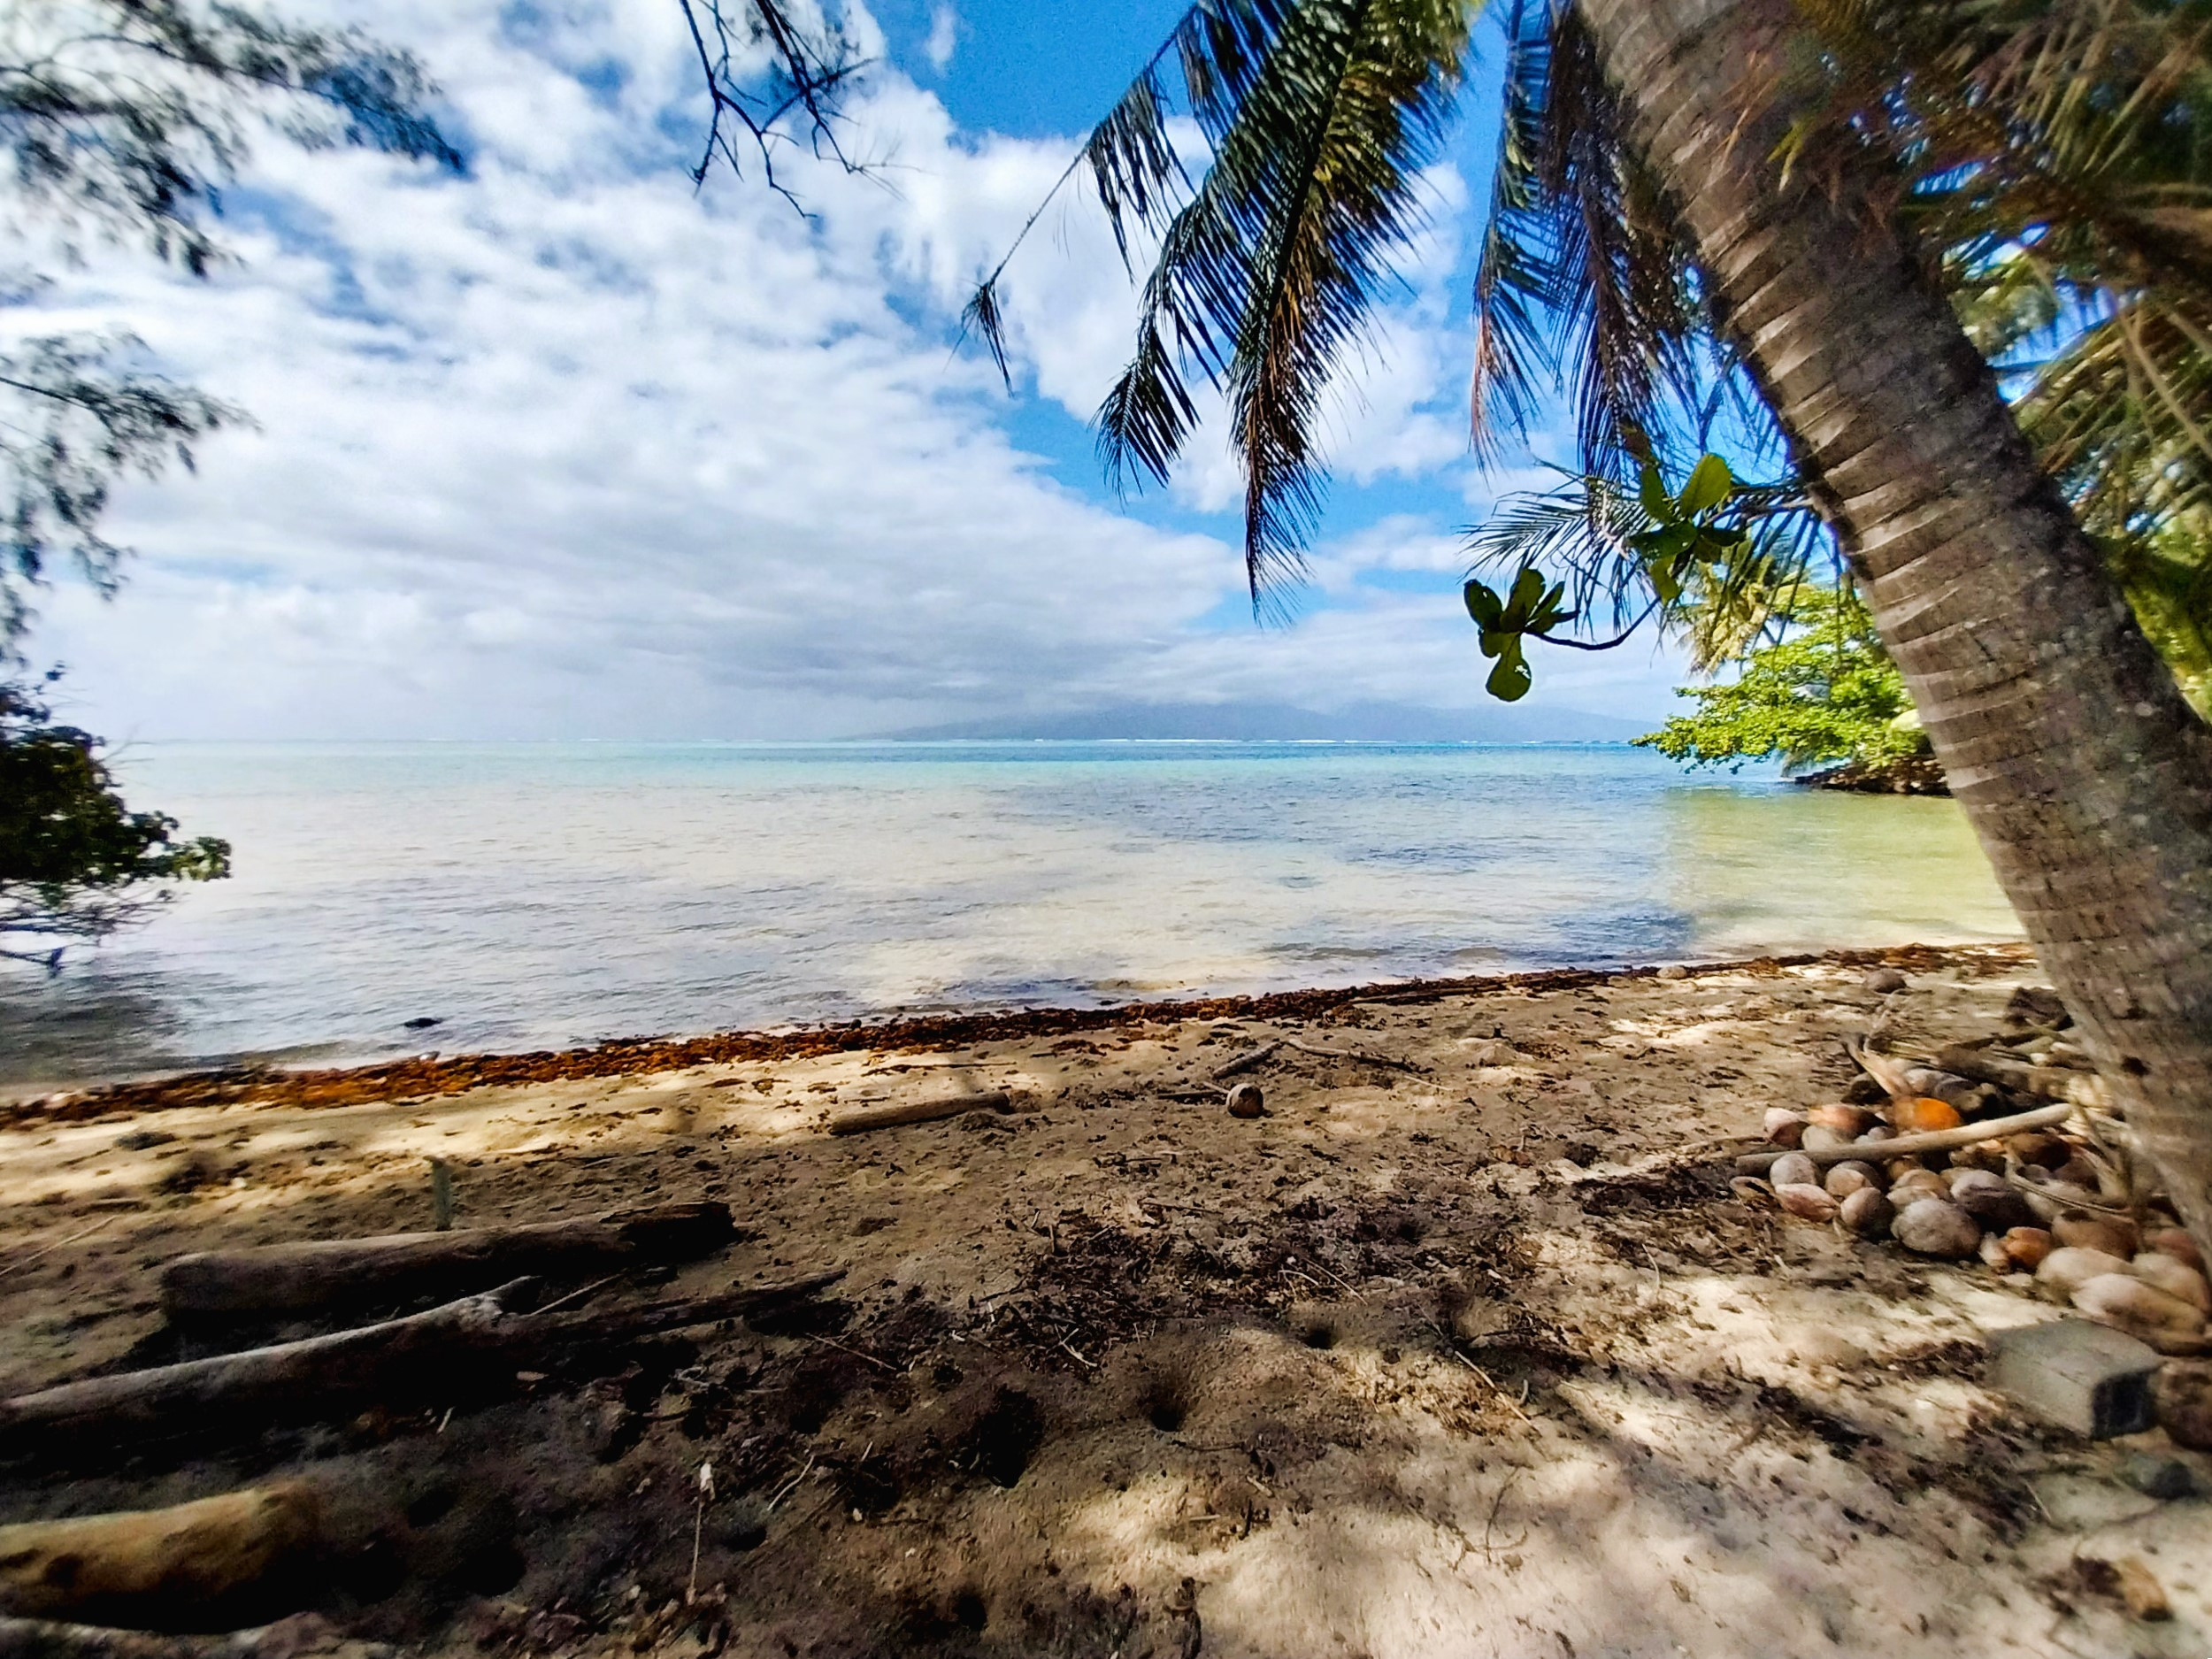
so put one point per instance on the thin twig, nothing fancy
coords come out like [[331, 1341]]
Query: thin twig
[[40, 1256]]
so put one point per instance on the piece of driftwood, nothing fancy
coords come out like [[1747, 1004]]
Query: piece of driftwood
[[1352, 1054], [1910, 1146], [1246, 1061], [920, 1112], [274, 1278], [426, 1358], [2044, 1082], [159, 1569]]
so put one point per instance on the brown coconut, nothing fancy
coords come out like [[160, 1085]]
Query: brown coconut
[[1935, 1226]]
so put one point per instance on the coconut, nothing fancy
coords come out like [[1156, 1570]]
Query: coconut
[[1917, 1116], [2066, 1269], [1867, 1212], [2027, 1246], [2183, 1283], [1848, 1177], [1989, 1200], [1933, 1226], [1795, 1169], [1916, 1184], [1809, 1201], [2142, 1310], [2176, 1242], [2112, 1234], [1850, 1122], [1820, 1138], [1784, 1126]]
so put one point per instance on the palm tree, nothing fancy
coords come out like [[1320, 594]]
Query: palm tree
[[1684, 177]]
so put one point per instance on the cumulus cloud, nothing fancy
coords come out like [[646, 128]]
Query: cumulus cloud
[[567, 448]]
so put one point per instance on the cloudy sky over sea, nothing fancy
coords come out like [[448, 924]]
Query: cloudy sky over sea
[[565, 449]]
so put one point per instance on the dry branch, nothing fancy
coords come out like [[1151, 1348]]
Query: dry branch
[[296, 1278], [434, 1355], [927, 1111], [2044, 1082], [157, 1567], [1910, 1146], [1246, 1061]]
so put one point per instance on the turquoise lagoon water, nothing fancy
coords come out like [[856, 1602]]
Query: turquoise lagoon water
[[534, 895]]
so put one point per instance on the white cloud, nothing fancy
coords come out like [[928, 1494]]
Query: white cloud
[[944, 38], [567, 449]]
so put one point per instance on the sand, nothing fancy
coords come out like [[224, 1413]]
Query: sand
[[1437, 1357]]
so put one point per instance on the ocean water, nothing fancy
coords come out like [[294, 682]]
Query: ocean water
[[534, 895]]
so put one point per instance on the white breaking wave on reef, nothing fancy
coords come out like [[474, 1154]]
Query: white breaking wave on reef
[[526, 896]]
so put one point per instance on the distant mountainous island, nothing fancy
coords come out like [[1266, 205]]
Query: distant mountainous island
[[1279, 722]]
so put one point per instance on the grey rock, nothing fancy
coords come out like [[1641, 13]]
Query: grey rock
[[2165, 1478], [2083, 1377]]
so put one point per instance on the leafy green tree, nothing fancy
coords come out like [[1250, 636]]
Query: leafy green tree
[[1827, 693], [75, 862], [121, 120]]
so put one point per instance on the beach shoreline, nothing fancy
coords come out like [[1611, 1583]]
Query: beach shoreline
[[434, 1074], [1461, 1329]]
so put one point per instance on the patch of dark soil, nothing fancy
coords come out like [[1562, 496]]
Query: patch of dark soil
[[1003, 1435], [1680, 1186], [1801, 1413]]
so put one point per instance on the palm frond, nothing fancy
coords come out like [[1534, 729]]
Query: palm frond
[[1319, 116]]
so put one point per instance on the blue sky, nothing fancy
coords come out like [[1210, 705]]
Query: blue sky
[[566, 449]]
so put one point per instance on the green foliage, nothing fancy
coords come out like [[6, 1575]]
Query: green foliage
[[124, 118], [75, 862], [1319, 116], [1529, 606], [1825, 693]]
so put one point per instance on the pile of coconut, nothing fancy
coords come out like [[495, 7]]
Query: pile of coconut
[[2009, 1150]]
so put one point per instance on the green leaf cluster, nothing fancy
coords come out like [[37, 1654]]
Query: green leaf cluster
[[1529, 606], [75, 862], [1827, 693]]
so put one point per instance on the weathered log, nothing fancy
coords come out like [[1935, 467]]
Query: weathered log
[[48, 1639], [1246, 1061], [1911, 1145], [158, 1568], [429, 1357], [2044, 1082], [922, 1111], [335, 1272]]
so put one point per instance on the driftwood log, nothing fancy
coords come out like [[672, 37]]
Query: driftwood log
[[448, 1352], [1246, 1061], [347, 1272], [921, 1111], [160, 1569], [1911, 1145]]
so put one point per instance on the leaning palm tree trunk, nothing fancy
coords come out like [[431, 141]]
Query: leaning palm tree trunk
[[2084, 772]]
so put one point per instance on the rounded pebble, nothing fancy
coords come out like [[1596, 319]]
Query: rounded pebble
[[1808, 1202], [1246, 1101]]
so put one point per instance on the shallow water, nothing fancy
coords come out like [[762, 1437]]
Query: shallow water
[[533, 895]]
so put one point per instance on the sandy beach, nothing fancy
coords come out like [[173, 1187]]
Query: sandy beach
[[1464, 1346]]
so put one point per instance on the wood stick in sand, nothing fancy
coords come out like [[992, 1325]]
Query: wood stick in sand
[[157, 1567], [426, 1358], [1246, 1061], [1909, 1146], [332, 1272], [920, 1112]]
